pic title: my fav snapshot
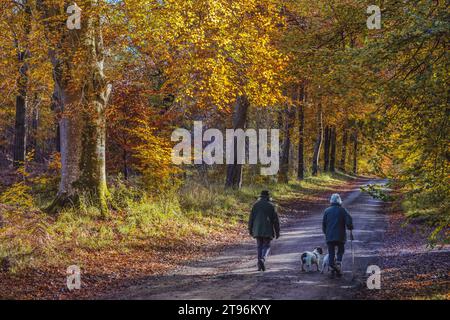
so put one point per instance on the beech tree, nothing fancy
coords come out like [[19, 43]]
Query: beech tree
[[77, 56]]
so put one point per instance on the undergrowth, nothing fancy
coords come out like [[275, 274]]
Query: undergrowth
[[29, 237]]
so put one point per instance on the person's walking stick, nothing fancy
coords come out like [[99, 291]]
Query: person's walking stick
[[353, 255]]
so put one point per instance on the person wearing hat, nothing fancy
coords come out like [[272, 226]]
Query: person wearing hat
[[263, 225]]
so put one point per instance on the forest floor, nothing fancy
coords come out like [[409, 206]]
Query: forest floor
[[410, 268]]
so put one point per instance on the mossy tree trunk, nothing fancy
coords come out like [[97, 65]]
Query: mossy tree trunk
[[93, 161], [81, 86]]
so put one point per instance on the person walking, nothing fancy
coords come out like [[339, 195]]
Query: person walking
[[335, 221], [263, 225]]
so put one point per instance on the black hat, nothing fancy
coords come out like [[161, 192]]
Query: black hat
[[265, 193]]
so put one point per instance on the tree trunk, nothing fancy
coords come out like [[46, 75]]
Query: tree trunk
[[234, 170], [58, 138], [355, 153], [283, 175], [333, 149], [97, 92], [70, 146], [344, 148], [318, 143], [56, 108], [84, 95], [32, 143], [301, 134], [20, 127], [326, 149]]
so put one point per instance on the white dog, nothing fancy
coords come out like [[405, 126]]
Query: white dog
[[309, 258], [326, 264]]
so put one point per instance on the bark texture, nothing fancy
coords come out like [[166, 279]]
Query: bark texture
[[326, 149], [318, 143], [82, 94], [355, 152], [301, 133], [20, 125], [333, 149], [234, 170], [342, 162], [283, 175]]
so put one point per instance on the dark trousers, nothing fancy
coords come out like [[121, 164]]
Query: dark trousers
[[332, 251], [263, 245]]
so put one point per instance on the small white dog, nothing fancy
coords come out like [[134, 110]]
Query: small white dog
[[309, 258], [326, 263]]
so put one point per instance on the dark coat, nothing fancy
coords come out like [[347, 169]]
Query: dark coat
[[335, 220], [264, 220]]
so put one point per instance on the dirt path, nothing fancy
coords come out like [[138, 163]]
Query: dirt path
[[233, 275]]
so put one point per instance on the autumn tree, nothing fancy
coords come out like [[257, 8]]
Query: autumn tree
[[23, 53], [77, 56], [411, 126]]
